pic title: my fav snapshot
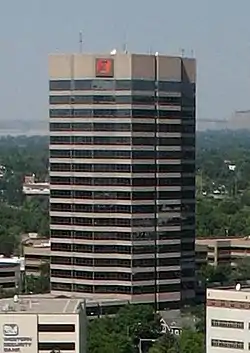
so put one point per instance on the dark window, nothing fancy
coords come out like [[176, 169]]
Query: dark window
[[228, 324], [111, 167], [82, 99], [60, 113], [56, 328], [169, 86], [143, 141], [227, 344], [60, 167], [60, 99], [143, 127], [169, 168], [169, 141], [8, 285], [104, 99], [50, 346], [140, 113], [7, 274], [143, 154], [190, 129], [169, 100], [169, 128], [103, 85], [82, 140], [123, 100], [82, 85], [123, 85], [60, 140], [60, 153], [81, 153], [143, 99], [59, 193], [143, 85], [56, 180], [143, 168], [82, 113], [111, 154], [55, 233], [99, 140], [112, 289], [59, 85], [111, 127], [142, 195], [169, 114]]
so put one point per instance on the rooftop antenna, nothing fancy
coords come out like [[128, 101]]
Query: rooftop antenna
[[80, 42], [182, 52], [192, 53], [125, 46]]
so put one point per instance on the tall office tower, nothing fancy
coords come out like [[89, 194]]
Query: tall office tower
[[122, 174]]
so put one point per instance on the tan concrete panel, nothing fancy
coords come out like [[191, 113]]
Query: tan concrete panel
[[60, 66], [169, 68], [143, 66], [189, 68], [122, 66], [84, 66]]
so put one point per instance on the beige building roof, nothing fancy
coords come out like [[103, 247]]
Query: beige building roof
[[48, 304]]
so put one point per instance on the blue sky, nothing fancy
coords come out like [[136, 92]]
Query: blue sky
[[218, 31]]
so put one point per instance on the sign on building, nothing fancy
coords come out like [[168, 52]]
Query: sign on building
[[18, 333]]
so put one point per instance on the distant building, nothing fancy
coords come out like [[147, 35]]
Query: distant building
[[36, 252], [221, 251], [10, 273], [33, 188], [227, 320], [33, 324]]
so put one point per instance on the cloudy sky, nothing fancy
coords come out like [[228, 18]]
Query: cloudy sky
[[217, 31]]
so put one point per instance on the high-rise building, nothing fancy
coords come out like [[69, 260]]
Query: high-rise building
[[122, 177]]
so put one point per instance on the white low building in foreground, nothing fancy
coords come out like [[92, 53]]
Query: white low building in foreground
[[228, 320]]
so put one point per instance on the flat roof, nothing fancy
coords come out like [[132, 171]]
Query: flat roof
[[216, 241], [49, 304]]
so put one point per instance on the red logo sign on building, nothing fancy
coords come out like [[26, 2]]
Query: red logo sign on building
[[104, 68]]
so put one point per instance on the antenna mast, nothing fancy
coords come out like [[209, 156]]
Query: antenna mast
[[80, 42]]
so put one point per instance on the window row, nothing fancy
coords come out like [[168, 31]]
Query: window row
[[123, 195], [73, 234], [75, 207], [83, 288], [109, 262], [114, 99], [111, 276], [113, 249], [123, 168], [127, 141], [123, 222], [189, 181], [189, 128], [118, 113], [187, 154], [125, 85]]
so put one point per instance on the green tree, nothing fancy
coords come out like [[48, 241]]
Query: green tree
[[192, 342], [166, 344]]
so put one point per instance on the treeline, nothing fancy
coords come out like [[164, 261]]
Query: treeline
[[223, 183], [20, 156], [138, 325]]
